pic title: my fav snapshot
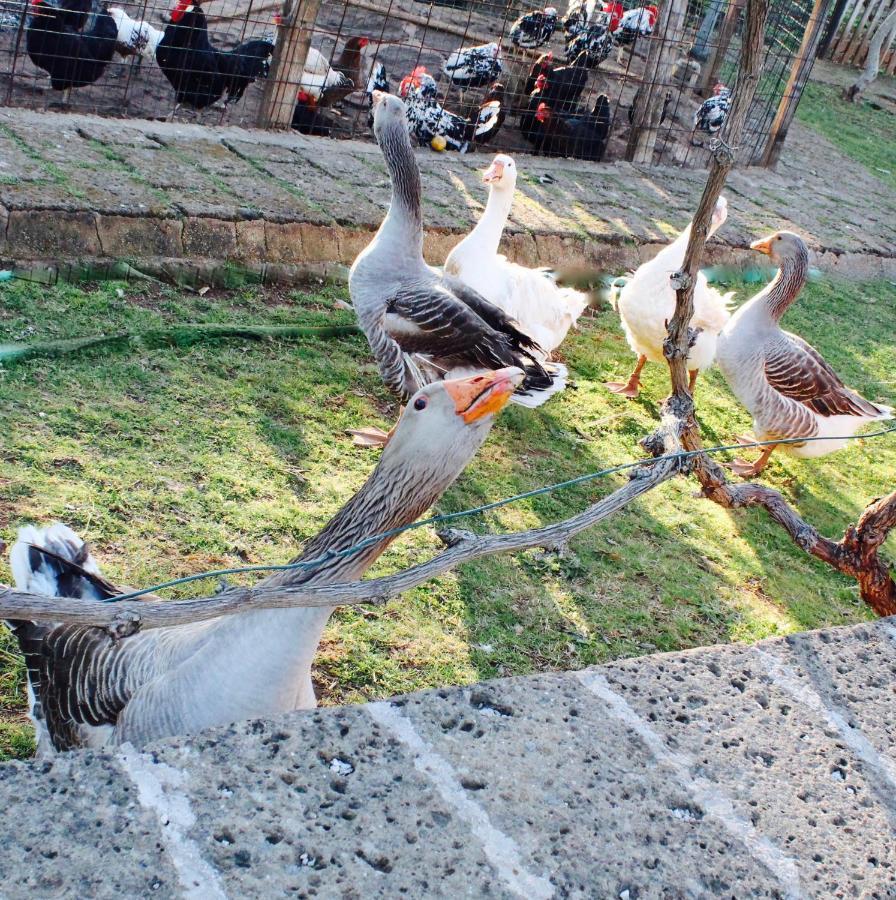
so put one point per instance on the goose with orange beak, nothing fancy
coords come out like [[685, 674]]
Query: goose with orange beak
[[784, 382], [90, 690]]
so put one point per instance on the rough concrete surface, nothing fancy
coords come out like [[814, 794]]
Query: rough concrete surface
[[76, 186], [764, 771]]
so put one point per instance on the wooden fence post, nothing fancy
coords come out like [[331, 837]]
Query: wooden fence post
[[799, 74], [656, 80], [278, 99]]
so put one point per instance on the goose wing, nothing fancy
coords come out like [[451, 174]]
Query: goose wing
[[79, 675], [797, 370], [493, 316], [434, 321]]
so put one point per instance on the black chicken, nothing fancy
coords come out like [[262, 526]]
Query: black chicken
[[541, 66], [72, 58], [199, 73], [581, 137], [561, 87]]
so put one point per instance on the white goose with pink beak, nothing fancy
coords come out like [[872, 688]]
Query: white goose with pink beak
[[542, 309]]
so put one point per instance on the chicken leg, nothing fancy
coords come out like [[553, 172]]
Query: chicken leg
[[632, 387]]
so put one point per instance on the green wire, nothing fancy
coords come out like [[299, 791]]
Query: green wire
[[478, 510]]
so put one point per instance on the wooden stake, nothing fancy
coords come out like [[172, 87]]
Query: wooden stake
[[293, 40], [799, 74]]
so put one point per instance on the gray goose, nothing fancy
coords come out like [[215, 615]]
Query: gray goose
[[90, 691], [420, 323], [784, 382]]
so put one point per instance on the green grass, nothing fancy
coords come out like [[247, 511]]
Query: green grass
[[861, 131], [171, 461]]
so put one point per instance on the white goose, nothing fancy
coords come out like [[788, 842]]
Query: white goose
[[531, 297], [647, 303], [785, 383], [89, 691]]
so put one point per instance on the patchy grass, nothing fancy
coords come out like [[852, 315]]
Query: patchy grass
[[177, 460], [864, 131]]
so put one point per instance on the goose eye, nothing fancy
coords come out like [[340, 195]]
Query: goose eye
[[420, 403]]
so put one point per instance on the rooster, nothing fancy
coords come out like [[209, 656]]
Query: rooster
[[71, 57], [580, 137], [200, 73], [635, 22], [596, 40]]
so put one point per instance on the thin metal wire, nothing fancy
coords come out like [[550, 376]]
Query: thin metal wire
[[479, 510]]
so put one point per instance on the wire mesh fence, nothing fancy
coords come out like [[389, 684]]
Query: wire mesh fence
[[596, 80]]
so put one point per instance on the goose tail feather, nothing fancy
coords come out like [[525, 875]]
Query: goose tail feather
[[540, 384]]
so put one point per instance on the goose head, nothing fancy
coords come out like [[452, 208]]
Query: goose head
[[501, 174], [445, 423], [389, 115], [783, 247]]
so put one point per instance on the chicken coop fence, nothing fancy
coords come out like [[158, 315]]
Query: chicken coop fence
[[595, 80]]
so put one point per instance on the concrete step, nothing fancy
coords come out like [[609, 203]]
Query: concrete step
[[82, 187], [731, 771]]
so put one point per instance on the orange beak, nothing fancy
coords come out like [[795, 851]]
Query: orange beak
[[495, 172], [483, 395], [763, 246]]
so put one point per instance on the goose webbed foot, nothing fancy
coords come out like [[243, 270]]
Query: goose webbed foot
[[630, 388], [369, 436], [743, 469]]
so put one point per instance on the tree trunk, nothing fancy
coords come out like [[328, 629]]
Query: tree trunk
[[872, 63]]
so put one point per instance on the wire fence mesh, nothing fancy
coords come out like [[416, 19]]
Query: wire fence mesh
[[596, 80]]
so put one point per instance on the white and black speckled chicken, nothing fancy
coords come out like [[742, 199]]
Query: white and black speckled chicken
[[427, 118], [534, 29], [596, 41], [474, 66], [639, 21], [578, 15], [712, 113]]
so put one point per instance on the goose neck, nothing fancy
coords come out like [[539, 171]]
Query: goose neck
[[490, 227], [404, 219], [787, 284]]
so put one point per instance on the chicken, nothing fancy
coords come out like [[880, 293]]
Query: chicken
[[135, 37], [307, 117], [491, 115], [201, 74], [595, 41], [638, 21], [580, 137], [713, 112], [349, 66], [420, 82], [378, 81], [534, 29], [72, 58], [561, 87], [474, 66], [542, 66], [578, 15]]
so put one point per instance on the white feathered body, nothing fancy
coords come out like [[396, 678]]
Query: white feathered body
[[647, 303], [318, 76], [135, 35], [542, 309]]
